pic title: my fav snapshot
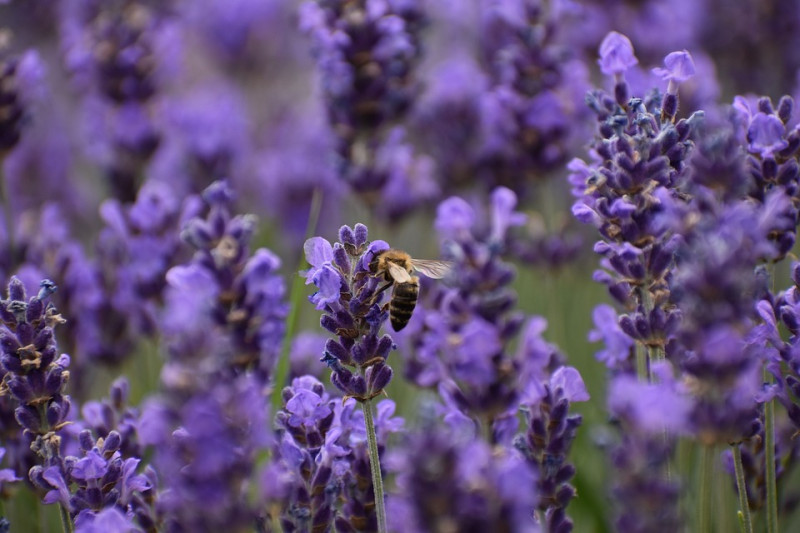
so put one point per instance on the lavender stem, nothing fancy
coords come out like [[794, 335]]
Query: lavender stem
[[706, 474], [66, 522], [741, 488], [375, 466], [772, 490]]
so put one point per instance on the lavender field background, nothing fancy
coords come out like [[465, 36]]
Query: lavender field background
[[192, 336]]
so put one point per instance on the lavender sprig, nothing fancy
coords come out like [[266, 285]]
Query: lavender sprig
[[448, 479], [223, 323], [348, 294], [366, 53], [110, 48], [547, 442], [638, 159]]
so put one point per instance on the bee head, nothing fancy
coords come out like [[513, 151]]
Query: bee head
[[374, 263]]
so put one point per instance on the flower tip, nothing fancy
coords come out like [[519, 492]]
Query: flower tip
[[616, 54], [678, 67]]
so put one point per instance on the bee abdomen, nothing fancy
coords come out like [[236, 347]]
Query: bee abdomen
[[404, 299]]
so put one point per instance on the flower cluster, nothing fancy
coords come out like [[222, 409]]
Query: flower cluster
[[349, 295], [98, 481], [450, 480], [224, 309], [322, 476], [638, 159], [366, 52], [533, 109], [34, 374], [111, 51]]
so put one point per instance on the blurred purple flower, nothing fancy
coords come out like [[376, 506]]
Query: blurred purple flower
[[678, 67], [616, 54]]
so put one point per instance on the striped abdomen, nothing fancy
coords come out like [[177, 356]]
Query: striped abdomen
[[404, 299]]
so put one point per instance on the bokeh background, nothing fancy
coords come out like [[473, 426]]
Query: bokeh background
[[247, 90]]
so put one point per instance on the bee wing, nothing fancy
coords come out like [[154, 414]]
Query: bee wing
[[435, 269], [398, 273]]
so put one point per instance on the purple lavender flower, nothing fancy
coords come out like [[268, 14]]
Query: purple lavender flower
[[638, 161], [551, 431], [772, 161], [532, 110], [473, 320], [650, 416], [96, 482], [223, 322], [616, 54], [225, 307], [300, 478], [366, 53], [449, 481], [111, 51], [35, 375], [320, 473], [349, 298]]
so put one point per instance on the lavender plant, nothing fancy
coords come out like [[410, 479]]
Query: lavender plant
[[223, 322], [639, 160], [410, 103], [35, 378], [111, 50], [366, 53], [348, 294]]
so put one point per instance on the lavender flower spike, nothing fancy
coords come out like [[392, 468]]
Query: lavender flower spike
[[349, 296]]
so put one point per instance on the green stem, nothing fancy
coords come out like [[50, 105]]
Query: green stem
[[772, 489], [282, 369], [744, 507], [375, 466], [66, 521], [642, 369], [704, 500]]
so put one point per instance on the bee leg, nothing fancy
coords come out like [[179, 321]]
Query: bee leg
[[380, 291]]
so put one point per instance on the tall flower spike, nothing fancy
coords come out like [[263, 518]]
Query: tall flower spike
[[34, 374], [223, 322], [532, 110], [453, 481], [366, 53], [226, 306], [348, 294], [110, 48]]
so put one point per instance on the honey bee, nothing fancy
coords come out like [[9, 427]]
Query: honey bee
[[396, 267]]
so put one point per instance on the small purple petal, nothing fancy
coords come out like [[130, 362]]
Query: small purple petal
[[616, 54]]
